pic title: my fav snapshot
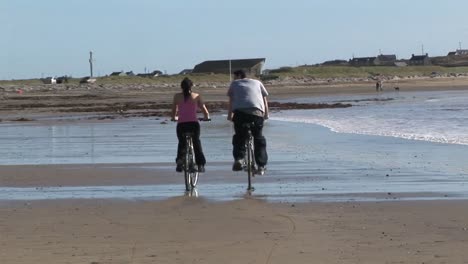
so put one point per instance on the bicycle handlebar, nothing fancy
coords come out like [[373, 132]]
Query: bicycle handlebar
[[199, 119]]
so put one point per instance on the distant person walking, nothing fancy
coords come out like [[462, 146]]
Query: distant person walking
[[248, 104], [184, 106], [378, 86]]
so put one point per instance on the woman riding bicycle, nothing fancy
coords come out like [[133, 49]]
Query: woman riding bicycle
[[185, 105]]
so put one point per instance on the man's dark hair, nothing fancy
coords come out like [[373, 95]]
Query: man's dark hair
[[240, 73]]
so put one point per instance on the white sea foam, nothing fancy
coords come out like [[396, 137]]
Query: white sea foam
[[430, 116]]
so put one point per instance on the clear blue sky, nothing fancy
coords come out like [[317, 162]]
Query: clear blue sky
[[54, 37]]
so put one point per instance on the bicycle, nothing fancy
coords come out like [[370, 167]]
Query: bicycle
[[249, 158], [188, 163]]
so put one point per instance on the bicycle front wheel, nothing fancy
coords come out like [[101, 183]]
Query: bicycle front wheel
[[193, 176]]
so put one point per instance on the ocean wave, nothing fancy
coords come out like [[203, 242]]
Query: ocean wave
[[356, 126]]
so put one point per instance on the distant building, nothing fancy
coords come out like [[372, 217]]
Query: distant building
[[385, 60], [458, 52], [419, 60], [335, 63], [157, 73], [62, 79], [152, 74], [119, 73], [381, 60], [461, 52], [453, 59], [363, 61], [87, 79], [186, 71], [401, 63], [130, 73], [250, 66], [49, 80]]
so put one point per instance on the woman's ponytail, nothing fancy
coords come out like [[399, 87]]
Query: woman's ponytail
[[186, 86]]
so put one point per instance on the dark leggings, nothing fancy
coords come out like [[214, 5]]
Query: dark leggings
[[261, 156], [192, 127]]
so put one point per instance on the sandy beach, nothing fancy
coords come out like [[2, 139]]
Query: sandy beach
[[193, 230], [81, 209]]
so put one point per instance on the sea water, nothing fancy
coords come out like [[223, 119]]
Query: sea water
[[439, 116]]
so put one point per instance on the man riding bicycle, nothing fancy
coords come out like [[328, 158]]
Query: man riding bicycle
[[248, 104]]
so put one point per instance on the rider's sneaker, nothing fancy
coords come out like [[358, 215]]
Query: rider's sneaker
[[260, 170], [201, 168], [179, 166], [237, 166]]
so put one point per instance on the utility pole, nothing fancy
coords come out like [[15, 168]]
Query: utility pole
[[230, 71], [91, 63], [422, 49], [459, 44]]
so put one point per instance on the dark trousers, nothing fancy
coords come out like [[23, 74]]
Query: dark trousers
[[192, 127], [238, 140]]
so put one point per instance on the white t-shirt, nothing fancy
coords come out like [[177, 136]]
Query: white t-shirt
[[247, 94]]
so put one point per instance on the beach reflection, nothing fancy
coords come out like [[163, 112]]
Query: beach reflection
[[192, 193], [293, 191]]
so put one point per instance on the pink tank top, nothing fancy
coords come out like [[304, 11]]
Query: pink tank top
[[187, 111]]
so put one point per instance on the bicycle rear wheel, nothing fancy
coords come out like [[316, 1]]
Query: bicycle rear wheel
[[190, 172], [194, 179]]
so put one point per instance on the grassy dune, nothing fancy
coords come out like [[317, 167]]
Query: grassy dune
[[323, 72], [197, 78], [364, 72]]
